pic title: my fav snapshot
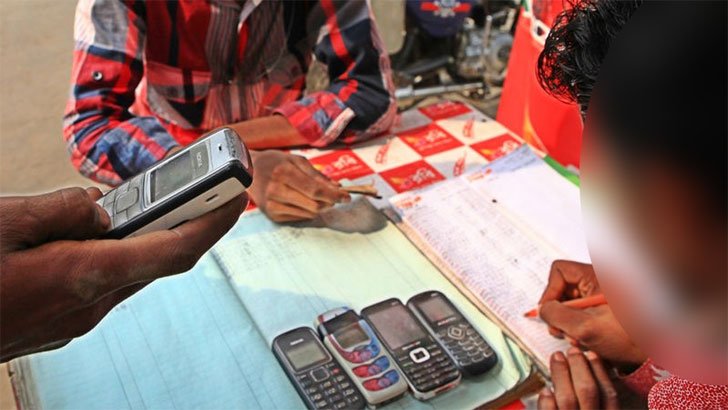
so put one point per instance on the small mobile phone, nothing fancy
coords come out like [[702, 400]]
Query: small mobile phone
[[428, 369], [190, 183], [355, 346], [463, 343], [318, 378]]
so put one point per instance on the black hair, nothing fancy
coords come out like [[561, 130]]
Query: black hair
[[661, 91], [574, 50]]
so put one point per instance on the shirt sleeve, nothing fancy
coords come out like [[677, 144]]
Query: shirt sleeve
[[106, 142], [644, 378], [359, 102]]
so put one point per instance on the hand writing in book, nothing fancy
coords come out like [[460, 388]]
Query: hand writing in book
[[580, 381], [596, 328], [57, 281]]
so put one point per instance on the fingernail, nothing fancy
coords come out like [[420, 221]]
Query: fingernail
[[574, 351], [591, 355], [558, 356], [546, 392]]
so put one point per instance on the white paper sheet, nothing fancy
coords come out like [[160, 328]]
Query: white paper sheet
[[489, 228]]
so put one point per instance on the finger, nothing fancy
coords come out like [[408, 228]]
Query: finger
[[305, 179], [94, 193], [546, 400], [279, 212], [564, 275], [287, 196], [569, 320], [556, 284], [119, 263], [69, 213], [608, 393], [585, 387], [305, 166], [561, 377]]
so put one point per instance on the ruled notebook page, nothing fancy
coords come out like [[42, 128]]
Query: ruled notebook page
[[490, 247]]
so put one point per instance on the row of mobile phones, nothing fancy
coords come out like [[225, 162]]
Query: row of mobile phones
[[374, 358]]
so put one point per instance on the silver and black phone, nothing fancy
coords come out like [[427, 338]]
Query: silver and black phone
[[318, 378], [198, 179], [463, 343], [428, 369]]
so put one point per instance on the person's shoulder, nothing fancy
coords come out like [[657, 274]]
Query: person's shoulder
[[675, 392]]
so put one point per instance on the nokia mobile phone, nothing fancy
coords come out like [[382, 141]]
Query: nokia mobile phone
[[357, 349], [318, 378], [462, 342], [428, 369], [190, 183]]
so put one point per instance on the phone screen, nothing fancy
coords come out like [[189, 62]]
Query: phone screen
[[397, 326], [351, 336], [436, 309], [179, 172], [305, 354]]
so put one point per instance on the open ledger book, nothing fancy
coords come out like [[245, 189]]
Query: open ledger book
[[494, 233], [202, 339]]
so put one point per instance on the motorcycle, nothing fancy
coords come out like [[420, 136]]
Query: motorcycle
[[459, 46]]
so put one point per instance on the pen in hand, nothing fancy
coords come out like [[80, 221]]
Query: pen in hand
[[581, 303]]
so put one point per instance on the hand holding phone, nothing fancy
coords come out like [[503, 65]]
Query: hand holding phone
[[188, 184]]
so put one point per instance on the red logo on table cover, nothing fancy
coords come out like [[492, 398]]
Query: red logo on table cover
[[429, 140], [445, 109], [381, 157], [411, 176], [341, 164], [468, 128], [496, 147]]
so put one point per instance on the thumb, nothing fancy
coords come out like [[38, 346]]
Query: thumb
[[567, 319]]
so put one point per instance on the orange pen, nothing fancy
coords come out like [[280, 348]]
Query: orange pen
[[582, 303]]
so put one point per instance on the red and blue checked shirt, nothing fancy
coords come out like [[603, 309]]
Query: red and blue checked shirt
[[149, 76]]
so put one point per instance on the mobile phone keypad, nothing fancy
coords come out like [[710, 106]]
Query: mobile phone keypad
[[329, 387], [435, 371], [465, 344]]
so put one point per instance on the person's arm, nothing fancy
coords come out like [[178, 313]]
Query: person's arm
[[107, 143], [57, 281], [268, 132], [359, 102]]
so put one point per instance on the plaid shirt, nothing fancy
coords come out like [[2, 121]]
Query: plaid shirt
[[148, 76]]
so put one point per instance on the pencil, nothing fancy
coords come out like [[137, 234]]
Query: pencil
[[368, 190], [582, 303]]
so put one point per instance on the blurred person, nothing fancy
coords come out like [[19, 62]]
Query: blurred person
[[149, 77], [57, 280], [654, 190]]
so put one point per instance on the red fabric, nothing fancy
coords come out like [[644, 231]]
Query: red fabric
[[676, 393], [526, 109]]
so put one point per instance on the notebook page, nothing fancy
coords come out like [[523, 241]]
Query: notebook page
[[287, 275], [491, 256], [535, 194], [182, 342]]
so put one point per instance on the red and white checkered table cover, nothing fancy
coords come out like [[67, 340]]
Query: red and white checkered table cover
[[426, 145]]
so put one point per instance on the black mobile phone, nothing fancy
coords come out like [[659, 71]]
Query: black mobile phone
[[428, 369], [462, 342], [318, 378]]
